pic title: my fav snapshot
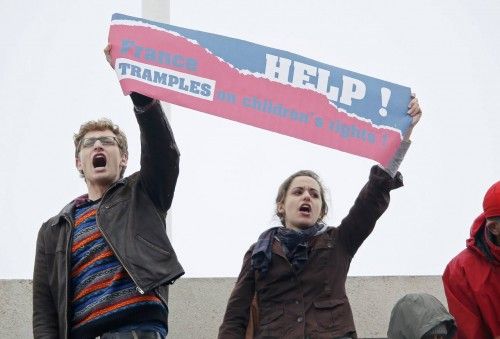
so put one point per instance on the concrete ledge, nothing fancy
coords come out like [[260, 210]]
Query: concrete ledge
[[197, 305]]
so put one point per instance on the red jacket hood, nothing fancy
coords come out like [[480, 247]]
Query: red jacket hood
[[478, 226]]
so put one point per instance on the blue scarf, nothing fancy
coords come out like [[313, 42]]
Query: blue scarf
[[295, 245]]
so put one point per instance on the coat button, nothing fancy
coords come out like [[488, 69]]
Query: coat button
[[300, 319], [297, 302]]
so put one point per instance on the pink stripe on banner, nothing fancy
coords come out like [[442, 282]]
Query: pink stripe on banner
[[258, 101]]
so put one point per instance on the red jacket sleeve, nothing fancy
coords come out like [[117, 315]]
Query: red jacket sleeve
[[461, 302]]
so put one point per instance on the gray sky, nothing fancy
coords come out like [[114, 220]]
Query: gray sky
[[54, 77]]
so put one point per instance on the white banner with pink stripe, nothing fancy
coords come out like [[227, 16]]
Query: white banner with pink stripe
[[261, 86]]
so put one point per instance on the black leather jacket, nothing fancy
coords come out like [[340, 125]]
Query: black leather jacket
[[131, 217]]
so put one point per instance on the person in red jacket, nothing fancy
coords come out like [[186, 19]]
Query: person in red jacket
[[472, 279]]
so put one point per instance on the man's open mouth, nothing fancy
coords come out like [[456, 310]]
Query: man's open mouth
[[99, 160]]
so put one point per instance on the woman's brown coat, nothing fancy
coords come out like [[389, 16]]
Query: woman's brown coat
[[312, 302]]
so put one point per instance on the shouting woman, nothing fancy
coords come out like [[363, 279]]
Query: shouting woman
[[292, 283]]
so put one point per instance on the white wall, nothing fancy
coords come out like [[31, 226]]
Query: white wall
[[197, 306]]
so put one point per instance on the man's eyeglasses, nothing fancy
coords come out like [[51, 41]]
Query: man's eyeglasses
[[105, 141]]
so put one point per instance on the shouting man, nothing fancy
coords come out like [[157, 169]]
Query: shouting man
[[104, 263]]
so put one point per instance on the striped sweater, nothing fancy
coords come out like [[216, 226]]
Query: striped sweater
[[103, 296]]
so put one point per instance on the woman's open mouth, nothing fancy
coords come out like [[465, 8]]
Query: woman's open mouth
[[305, 209]]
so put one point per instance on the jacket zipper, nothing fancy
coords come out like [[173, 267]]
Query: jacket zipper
[[68, 262], [140, 290], [137, 287]]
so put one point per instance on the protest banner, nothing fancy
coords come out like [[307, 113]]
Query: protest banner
[[260, 86]]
